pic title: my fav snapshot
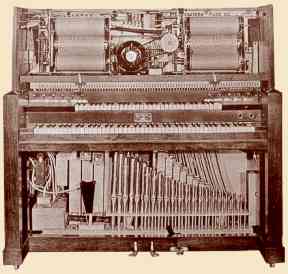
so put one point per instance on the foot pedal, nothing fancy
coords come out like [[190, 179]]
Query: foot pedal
[[178, 249], [135, 250], [153, 252]]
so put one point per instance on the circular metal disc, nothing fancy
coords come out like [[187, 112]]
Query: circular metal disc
[[169, 42]]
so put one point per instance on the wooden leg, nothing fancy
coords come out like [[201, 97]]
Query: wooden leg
[[271, 191], [15, 189], [273, 255]]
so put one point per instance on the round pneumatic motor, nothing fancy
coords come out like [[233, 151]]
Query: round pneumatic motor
[[131, 57]]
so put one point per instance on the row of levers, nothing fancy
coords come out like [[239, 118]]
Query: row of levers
[[142, 122]]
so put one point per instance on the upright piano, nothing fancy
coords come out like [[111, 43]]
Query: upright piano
[[143, 130]]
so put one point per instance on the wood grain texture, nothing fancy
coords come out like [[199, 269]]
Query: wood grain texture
[[266, 45], [75, 243], [273, 255], [274, 168], [157, 116], [14, 192], [77, 143], [270, 236]]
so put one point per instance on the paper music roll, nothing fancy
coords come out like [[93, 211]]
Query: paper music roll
[[214, 52], [214, 25], [80, 46], [224, 61], [213, 43], [85, 63], [79, 26]]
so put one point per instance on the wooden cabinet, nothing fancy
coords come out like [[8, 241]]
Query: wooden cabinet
[[137, 157]]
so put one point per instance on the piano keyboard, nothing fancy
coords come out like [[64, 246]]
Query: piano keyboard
[[144, 128], [148, 106]]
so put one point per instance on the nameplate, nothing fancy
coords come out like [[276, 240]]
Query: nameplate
[[143, 117]]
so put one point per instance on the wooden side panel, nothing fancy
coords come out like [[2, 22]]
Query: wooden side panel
[[266, 43], [274, 168], [271, 239], [15, 192], [19, 44]]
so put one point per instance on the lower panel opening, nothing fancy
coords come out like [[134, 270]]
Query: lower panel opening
[[156, 194]]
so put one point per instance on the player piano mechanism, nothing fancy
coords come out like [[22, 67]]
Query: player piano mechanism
[[143, 130]]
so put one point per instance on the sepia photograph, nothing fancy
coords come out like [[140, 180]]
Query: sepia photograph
[[133, 133]]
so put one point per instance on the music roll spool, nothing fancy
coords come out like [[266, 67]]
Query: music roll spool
[[80, 44], [209, 52], [84, 63], [75, 26], [214, 25], [214, 43]]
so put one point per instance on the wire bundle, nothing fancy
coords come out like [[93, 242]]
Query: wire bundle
[[50, 187]]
